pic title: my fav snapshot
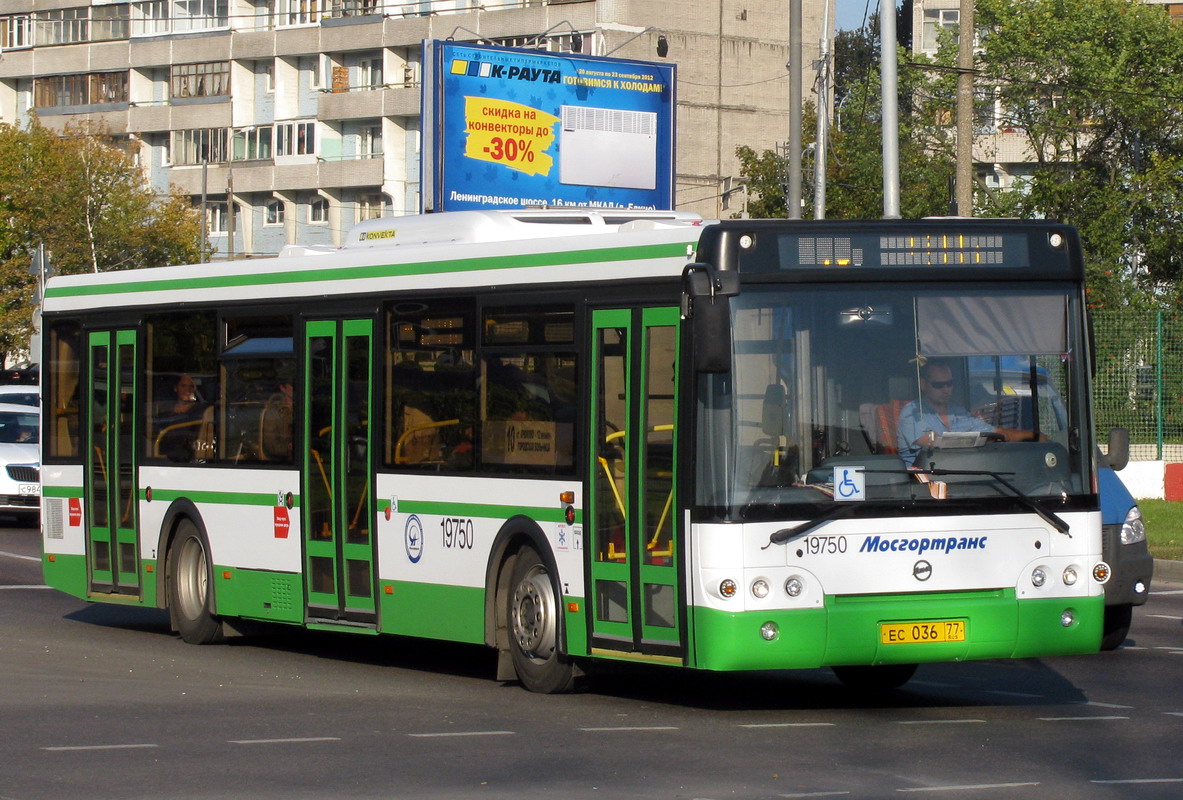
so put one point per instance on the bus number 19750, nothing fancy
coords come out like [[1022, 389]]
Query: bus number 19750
[[825, 545], [456, 532]]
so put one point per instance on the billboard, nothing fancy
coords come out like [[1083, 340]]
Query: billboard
[[510, 128]]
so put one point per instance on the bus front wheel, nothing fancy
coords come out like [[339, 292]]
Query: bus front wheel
[[189, 587], [533, 628]]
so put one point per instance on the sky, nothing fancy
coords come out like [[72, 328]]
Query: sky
[[848, 14]]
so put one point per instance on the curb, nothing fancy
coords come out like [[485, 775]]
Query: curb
[[1168, 571]]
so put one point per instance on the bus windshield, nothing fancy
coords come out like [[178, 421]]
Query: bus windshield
[[936, 394]]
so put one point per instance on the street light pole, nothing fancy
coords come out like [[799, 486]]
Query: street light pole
[[793, 193], [889, 92]]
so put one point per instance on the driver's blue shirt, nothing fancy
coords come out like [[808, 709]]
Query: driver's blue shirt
[[915, 421]]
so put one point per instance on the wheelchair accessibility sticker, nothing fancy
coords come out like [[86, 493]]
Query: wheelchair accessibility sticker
[[849, 484]]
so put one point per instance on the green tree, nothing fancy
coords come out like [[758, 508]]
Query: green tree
[[1096, 89], [854, 163], [84, 199]]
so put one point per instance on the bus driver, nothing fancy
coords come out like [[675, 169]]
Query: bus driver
[[922, 421]]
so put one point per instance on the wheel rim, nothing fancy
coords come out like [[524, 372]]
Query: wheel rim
[[533, 613], [192, 578]]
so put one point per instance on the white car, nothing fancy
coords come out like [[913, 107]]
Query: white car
[[20, 460], [20, 393]]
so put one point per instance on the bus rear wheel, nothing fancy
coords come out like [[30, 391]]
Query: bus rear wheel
[[877, 678], [534, 627], [189, 593]]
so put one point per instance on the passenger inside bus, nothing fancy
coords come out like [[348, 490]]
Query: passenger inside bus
[[178, 421]]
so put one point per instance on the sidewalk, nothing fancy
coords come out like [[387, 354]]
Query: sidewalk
[[1168, 571]]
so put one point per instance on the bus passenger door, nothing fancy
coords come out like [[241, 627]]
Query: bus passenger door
[[635, 593], [337, 506], [112, 546]]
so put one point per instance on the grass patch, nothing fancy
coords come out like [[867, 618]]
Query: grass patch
[[1164, 528]]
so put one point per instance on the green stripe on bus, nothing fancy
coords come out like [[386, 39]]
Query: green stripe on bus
[[222, 498], [480, 510], [579, 257], [61, 491]]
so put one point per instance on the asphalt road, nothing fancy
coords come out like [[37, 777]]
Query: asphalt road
[[103, 702]]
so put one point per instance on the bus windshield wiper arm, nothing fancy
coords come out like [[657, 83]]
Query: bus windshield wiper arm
[[1047, 516], [785, 535]]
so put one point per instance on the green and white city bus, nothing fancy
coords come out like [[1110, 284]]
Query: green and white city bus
[[574, 436]]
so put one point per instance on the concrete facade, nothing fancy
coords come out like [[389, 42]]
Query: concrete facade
[[306, 112]]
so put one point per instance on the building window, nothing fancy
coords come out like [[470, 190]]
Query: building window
[[273, 213], [63, 26], [318, 211], [371, 73], [295, 138], [371, 140], [370, 206], [108, 23], [198, 146], [149, 18], [14, 32], [354, 8], [937, 20], [199, 80], [199, 15], [249, 144], [218, 220], [76, 90], [299, 12]]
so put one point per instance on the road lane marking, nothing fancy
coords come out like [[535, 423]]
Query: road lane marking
[[1170, 591], [99, 747], [814, 794], [626, 729], [1165, 616], [27, 586], [1174, 713], [18, 555], [288, 740], [789, 725], [1079, 719], [1143, 780], [460, 733], [969, 787], [1096, 704], [936, 721]]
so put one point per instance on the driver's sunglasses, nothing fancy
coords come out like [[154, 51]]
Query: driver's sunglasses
[[940, 384]]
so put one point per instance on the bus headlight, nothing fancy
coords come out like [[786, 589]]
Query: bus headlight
[[1069, 576], [1133, 529], [794, 586], [727, 588], [759, 588], [1038, 577]]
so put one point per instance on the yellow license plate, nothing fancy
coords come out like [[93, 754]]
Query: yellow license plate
[[945, 630]]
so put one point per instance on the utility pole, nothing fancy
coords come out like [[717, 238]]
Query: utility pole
[[889, 97], [965, 109], [793, 194], [823, 117]]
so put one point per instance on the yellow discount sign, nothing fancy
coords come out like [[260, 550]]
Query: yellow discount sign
[[508, 133]]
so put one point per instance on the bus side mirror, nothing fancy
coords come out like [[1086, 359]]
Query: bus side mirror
[[706, 301], [1119, 449]]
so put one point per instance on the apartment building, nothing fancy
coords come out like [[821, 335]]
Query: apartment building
[[304, 115]]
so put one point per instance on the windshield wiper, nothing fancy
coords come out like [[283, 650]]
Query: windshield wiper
[[785, 535], [1047, 516]]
